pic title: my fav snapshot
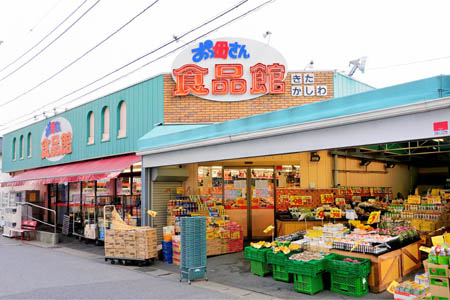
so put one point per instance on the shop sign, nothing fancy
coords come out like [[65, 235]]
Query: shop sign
[[56, 140], [230, 69]]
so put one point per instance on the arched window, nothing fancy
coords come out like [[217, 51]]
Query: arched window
[[90, 128], [13, 149], [105, 124], [21, 146], [122, 120], [29, 144]]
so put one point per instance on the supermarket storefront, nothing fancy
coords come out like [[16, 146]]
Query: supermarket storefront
[[208, 84], [246, 164]]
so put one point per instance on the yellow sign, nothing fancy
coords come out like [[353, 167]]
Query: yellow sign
[[392, 286], [434, 199], [335, 213], [425, 249], [269, 229], [447, 238], [437, 240], [414, 199], [180, 190], [327, 198], [152, 213], [320, 213], [340, 201], [374, 217]]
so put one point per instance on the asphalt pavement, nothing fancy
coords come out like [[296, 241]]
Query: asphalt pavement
[[33, 271]]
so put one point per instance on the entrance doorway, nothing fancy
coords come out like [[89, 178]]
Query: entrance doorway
[[249, 198]]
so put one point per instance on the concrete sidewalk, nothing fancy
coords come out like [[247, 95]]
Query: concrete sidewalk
[[227, 273]]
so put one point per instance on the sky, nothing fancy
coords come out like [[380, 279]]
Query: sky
[[403, 41]]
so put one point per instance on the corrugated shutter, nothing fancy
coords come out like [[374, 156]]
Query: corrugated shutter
[[162, 192]]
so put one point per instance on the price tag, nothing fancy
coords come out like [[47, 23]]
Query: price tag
[[180, 190], [320, 213], [425, 249], [414, 199], [374, 217], [434, 199], [327, 198], [340, 201], [296, 200], [350, 214], [335, 213], [307, 199], [392, 286], [437, 240]]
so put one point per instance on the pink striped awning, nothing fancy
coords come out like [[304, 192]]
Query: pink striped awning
[[98, 169]]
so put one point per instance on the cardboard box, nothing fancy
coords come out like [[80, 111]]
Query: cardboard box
[[119, 243], [129, 235], [439, 287], [109, 244], [130, 244], [436, 270], [110, 252]]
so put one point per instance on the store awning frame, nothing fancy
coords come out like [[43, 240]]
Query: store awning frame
[[106, 168]]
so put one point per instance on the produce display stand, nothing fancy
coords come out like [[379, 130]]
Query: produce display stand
[[393, 265]]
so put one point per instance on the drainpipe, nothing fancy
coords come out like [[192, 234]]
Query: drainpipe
[[335, 171]]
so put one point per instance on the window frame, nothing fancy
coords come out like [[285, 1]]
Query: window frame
[[106, 124], [122, 131], [90, 128]]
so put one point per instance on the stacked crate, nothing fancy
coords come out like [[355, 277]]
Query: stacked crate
[[193, 247], [348, 278], [176, 250], [135, 244]]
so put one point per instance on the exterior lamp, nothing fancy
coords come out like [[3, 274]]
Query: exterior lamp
[[314, 156]]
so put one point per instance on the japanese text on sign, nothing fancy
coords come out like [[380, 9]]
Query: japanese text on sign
[[327, 198], [228, 80], [340, 201], [221, 49], [320, 213], [414, 199], [56, 140], [374, 217], [335, 213]]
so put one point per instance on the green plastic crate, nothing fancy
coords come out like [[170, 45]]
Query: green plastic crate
[[277, 258], [308, 284], [309, 268], [259, 268], [280, 273], [256, 254], [336, 264], [349, 285]]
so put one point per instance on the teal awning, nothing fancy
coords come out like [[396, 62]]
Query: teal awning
[[374, 100]]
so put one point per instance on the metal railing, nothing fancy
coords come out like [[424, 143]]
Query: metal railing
[[40, 207]]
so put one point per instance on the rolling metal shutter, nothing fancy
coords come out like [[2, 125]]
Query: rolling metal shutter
[[162, 192]]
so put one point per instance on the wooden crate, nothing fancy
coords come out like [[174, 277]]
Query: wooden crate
[[384, 268], [411, 258]]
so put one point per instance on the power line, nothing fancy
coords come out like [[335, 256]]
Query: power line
[[51, 43], [170, 52], [45, 15], [148, 53], [410, 63], [37, 44], [143, 56], [83, 55]]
